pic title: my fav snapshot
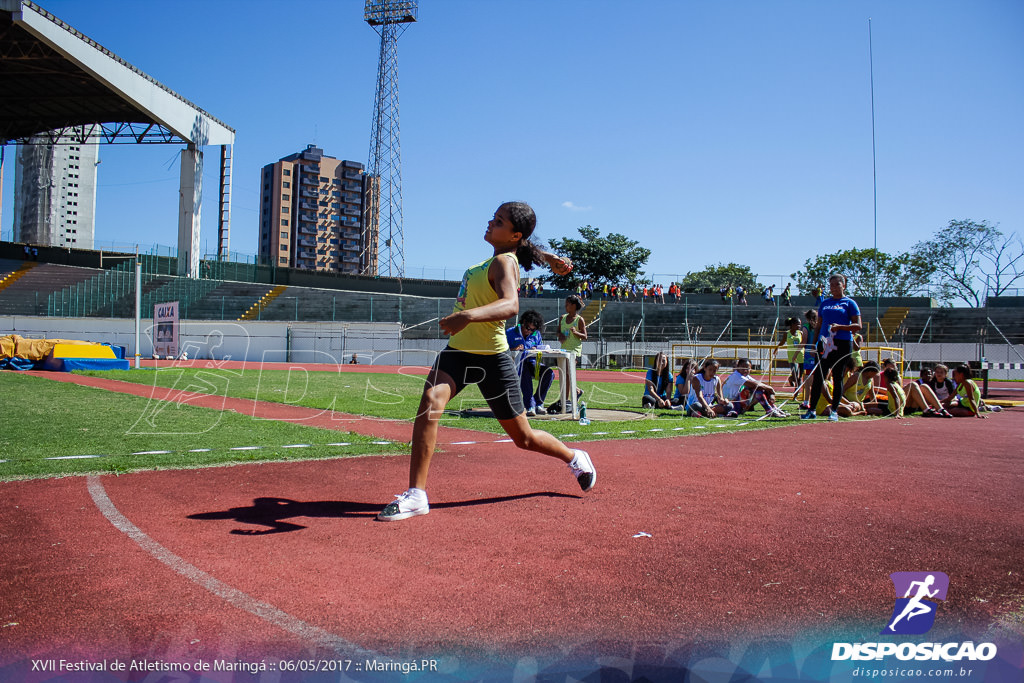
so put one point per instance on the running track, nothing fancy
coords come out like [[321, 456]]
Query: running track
[[775, 534]]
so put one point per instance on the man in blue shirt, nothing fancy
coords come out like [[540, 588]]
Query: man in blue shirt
[[838, 321], [523, 338]]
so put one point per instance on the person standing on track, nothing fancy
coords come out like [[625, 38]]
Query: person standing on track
[[572, 332], [838, 320], [477, 353]]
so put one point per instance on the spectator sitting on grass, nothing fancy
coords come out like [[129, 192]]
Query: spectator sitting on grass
[[906, 400], [845, 408], [705, 398], [967, 399], [942, 385], [686, 373], [859, 389], [745, 392], [658, 384]]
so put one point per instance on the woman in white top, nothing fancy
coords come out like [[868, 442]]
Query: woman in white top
[[705, 399]]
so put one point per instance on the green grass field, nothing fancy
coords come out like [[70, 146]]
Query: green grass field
[[58, 420], [46, 420]]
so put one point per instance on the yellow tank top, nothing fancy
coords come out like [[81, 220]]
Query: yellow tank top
[[897, 399], [572, 342], [794, 349], [476, 291], [969, 388], [859, 392]]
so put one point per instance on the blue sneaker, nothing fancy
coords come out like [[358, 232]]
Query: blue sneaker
[[809, 415], [833, 416]]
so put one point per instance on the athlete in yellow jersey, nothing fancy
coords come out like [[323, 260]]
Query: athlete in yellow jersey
[[967, 400], [477, 353]]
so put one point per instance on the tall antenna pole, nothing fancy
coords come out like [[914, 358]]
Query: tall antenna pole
[[383, 242], [874, 167]]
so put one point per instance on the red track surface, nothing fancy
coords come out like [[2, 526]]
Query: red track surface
[[776, 533]]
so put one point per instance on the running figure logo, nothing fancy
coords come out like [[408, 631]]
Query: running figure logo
[[912, 613]]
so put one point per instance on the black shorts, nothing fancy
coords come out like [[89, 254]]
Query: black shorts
[[495, 374]]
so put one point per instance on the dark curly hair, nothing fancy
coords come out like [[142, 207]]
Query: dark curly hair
[[533, 318]]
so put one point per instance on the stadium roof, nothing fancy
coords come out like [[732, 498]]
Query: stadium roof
[[53, 78]]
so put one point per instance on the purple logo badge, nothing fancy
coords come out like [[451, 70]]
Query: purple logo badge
[[913, 612]]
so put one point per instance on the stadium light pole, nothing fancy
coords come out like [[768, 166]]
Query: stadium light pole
[[384, 241], [874, 167]]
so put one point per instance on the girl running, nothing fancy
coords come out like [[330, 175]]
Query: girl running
[[477, 353]]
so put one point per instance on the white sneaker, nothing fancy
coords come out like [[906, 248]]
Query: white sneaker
[[583, 469], [531, 413], [409, 504]]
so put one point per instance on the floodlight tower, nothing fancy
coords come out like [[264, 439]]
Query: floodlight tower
[[384, 244]]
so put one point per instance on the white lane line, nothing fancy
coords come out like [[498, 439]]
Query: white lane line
[[73, 457], [245, 448], [233, 596]]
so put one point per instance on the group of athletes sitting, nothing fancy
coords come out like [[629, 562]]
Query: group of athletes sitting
[[869, 390], [698, 390]]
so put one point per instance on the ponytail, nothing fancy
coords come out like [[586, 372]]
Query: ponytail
[[529, 255]]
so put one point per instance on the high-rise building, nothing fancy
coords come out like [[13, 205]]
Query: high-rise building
[[55, 194], [312, 213]]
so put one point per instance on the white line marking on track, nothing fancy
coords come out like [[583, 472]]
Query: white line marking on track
[[233, 596], [297, 445], [151, 453], [245, 448], [200, 450], [73, 457]]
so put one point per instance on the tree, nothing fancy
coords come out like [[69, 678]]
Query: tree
[[716, 277], [614, 259], [972, 260], [904, 274]]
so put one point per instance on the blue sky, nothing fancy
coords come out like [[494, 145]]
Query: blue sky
[[707, 131]]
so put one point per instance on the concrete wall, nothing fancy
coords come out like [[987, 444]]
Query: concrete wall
[[373, 343]]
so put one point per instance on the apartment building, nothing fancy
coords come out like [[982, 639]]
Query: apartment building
[[55, 194], [312, 210]]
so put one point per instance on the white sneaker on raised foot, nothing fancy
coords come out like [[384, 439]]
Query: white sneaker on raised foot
[[409, 504], [583, 469]]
